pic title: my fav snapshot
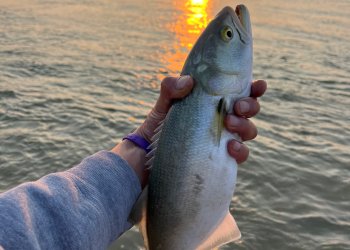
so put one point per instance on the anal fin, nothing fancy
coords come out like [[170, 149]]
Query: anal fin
[[227, 231]]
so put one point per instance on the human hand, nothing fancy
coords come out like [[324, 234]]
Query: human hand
[[172, 89], [238, 121], [235, 122]]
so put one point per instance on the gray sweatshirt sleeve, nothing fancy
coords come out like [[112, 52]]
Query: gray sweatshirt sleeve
[[85, 207]]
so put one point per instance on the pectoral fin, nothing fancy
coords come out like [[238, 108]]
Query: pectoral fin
[[219, 120], [227, 231], [224, 106], [138, 215]]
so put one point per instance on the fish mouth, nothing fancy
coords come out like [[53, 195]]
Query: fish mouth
[[241, 20], [244, 18]]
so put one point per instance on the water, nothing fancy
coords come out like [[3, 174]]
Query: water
[[75, 76]]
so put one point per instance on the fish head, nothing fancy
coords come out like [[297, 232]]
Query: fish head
[[221, 60]]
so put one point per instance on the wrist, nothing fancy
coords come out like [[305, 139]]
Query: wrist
[[139, 141], [134, 156]]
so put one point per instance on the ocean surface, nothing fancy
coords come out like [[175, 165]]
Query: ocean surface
[[77, 75]]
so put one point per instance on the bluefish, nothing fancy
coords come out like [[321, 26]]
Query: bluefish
[[192, 179]]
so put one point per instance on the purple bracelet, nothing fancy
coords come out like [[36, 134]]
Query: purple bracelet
[[138, 140]]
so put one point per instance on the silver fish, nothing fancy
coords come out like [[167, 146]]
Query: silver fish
[[192, 180]]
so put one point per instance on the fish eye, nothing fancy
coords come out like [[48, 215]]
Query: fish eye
[[226, 33]]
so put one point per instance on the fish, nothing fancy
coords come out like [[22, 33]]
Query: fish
[[192, 177]]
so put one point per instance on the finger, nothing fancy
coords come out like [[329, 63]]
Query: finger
[[238, 150], [246, 107], [258, 88], [173, 88], [243, 127]]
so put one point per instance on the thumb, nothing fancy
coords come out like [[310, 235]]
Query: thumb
[[172, 88]]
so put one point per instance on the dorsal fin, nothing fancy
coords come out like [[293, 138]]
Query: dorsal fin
[[154, 144]]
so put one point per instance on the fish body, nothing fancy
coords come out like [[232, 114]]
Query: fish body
[[192, 177], [192, 180]]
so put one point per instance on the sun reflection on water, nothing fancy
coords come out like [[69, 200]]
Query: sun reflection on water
[[190, 23], [197, 17]]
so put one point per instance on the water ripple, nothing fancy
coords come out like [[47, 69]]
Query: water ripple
[[76, 76]]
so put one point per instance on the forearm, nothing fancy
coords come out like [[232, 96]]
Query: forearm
[[134, 156], [85, 207]]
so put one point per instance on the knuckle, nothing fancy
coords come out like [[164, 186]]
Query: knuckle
[[233, 123], [243, 155], [166, 85], [230, 149], [246, 155], [251, 131], [254, 133], [257, 107], [254, 108], [166, 82]]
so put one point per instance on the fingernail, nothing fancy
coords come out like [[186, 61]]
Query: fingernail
[[236, 146], [182, 82], [244, 107], [233, 120]]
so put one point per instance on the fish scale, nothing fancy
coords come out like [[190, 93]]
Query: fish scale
[[167, 201], [192, 177]]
